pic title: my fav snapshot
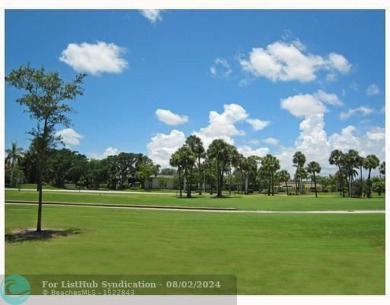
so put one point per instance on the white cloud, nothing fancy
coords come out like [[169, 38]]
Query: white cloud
[[152, 15], [170, 118], [221, 68], [271, 141], [351, 112], [248, 151], [281, 61], [162, 146], [223, 125], [95, 58], [257, 124], [109, 151], [376, 134], [303, 105], [69, 136], [339, 63], [373, 90], [313, 140], [328, 98]]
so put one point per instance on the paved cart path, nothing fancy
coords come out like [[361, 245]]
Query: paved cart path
[[190, 209]]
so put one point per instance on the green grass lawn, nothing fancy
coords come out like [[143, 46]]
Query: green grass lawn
[[250, 202], [269, 254]]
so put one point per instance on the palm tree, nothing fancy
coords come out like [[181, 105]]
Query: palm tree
[[175, 162], [285, 177], [270, 165], [299, 160], [196, 145], [382, 168], [221, 152], [336, 158], [313, 168], [13, 158], [371, 162], [350, 162]]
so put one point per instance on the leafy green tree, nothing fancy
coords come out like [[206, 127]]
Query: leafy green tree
[[314, 168], [14, 156], [65, 165], [145, 169], [371, 162], [175, 161], [44, 96]]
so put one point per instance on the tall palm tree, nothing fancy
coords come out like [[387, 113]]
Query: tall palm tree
[[221, 152], [13, 158], [382, 168], [175, 162], [350, 162], [196, 145], [336, 158], [313, 168], [285, 177], [299, 160], [270, 165], [371, 162]]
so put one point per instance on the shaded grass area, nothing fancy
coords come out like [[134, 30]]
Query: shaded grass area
[[33, 235], [269, 254], [242, 202]]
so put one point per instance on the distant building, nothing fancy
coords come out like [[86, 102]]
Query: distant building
[[160, 182]]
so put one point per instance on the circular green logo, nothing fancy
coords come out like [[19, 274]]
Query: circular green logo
[[15, 289]]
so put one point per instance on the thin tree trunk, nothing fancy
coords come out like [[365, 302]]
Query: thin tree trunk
[[39, 222], [315, 184]]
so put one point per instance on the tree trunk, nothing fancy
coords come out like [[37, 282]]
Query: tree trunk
[[315, 184], [246, 183], [286, 187], [369, 184], [39, 222]]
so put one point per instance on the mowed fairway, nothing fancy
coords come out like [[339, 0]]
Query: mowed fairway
[[280, 202], [269, 253]]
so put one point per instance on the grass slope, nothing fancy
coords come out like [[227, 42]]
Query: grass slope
[[269, 254]]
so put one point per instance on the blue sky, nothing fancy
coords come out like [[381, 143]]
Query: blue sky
[[268, 81]]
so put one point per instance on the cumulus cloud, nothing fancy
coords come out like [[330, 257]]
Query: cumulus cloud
[[360, 110], [152, 15], [69, 136], [376, 134], [170, 118], [94, 59], [271, 141], [247, 151], [257, 124], [162, 146], [109, 151], [304, 105], [222, 125], [220, 68], [373, 90], [282, 61], [313, 140]]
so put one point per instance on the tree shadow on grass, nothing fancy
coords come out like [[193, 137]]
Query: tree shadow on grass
[[33, 235]]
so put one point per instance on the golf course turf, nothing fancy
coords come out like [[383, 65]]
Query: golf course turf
[[277, 254]]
